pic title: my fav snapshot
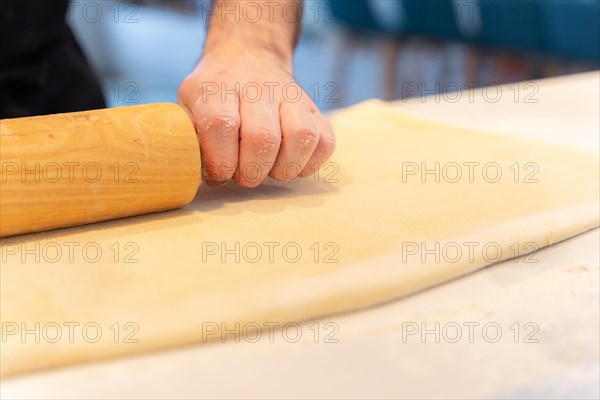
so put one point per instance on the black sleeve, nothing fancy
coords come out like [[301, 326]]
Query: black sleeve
[[42, 68]]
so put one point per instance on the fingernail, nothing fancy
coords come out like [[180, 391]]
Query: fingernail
[[215, 183]]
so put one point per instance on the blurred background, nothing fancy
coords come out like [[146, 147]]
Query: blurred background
[[350, 50]]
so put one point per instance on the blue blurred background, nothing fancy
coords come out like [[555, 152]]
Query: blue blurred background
[[350, 50]]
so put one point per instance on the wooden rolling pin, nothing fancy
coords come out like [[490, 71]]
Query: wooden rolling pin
[[76, 168]]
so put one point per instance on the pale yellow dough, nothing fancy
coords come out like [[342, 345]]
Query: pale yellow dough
[[370, 215]]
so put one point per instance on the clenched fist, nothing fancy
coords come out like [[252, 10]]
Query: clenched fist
[[252, 119]]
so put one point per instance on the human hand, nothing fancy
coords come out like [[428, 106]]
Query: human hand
[[252, 119]]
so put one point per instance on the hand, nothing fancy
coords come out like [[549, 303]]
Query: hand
[[252, 119]]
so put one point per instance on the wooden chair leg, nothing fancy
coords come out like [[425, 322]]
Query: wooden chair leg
[[348, 41], [391, 51]]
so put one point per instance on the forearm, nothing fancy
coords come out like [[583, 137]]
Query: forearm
[[244, 27]]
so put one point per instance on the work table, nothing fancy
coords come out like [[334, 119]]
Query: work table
[[540, 312]]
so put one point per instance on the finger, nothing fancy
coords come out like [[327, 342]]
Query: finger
[[260, 137], [324, 150], [217, 123], [299, 138], [183, 97]]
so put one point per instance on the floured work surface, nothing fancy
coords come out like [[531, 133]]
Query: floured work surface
[[405, 204]]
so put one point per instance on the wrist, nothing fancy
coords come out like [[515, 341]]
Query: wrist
[[232, 49]]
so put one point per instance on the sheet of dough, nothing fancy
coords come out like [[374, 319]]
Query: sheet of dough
[[369, 214]]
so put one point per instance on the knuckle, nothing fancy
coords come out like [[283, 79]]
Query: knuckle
[[328, 146], [307, 138], [184, 86], [183, 96], [222, 124], [265, 141]]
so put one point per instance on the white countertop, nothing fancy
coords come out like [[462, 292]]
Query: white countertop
[[551, 299]]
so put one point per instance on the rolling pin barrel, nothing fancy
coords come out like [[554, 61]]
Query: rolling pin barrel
[[76, 168]]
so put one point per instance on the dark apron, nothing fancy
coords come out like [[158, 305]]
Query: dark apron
[[42, 68]]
